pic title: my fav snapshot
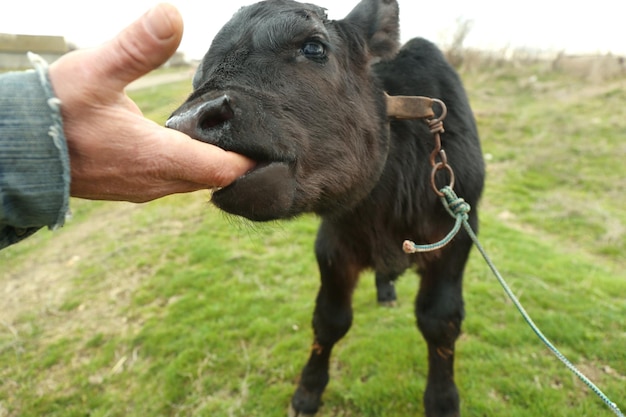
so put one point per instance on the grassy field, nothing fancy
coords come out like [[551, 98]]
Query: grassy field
[[172, 308]]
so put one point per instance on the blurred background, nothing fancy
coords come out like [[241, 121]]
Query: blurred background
[[547, 30]]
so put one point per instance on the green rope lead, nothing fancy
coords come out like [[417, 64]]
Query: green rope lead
[[410, 247], [458, 209]]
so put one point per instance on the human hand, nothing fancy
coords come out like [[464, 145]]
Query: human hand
[[116, 153]]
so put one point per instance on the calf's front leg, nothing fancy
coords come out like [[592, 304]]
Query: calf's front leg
[[332, 319], [439, 310]]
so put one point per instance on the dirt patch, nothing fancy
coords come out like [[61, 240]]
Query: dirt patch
[[41, 284]]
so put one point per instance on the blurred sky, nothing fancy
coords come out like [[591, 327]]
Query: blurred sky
[[549, 25]]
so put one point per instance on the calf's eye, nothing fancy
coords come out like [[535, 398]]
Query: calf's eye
[[313, 49]]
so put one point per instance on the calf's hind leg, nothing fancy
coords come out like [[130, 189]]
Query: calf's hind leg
[[332, 319], [385, 289], [439, 310]]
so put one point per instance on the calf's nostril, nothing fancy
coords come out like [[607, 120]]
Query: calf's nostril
[[215, 112], [200, 120]]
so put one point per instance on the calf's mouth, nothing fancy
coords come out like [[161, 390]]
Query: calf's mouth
[[265, 193], [268, 190]]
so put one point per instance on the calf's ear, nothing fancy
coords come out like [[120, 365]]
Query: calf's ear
[[379, 21]]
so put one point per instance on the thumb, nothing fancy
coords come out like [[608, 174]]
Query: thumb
[[141, 47]]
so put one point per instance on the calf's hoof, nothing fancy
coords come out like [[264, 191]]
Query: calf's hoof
[[442, 401], [305, 403], [386, 294], [387, 303], [294, 413]]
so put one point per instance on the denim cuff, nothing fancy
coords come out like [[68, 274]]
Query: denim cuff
[[34, 161]]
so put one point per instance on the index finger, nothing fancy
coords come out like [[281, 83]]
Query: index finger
[[203, 163]]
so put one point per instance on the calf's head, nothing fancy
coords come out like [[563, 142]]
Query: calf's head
[[293, 90]]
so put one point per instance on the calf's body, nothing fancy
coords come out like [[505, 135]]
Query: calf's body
[[304, 96]]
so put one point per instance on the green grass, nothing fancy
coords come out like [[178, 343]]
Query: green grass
[[172, 308]]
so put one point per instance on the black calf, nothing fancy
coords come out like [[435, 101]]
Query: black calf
[[303, 96]]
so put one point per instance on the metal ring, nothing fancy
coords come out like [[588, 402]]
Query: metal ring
[[438, 167], [444, 109]]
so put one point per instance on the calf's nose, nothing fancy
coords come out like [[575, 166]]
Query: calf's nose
[[199, 120]]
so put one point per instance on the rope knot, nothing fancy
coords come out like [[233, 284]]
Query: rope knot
[[456, 206]]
